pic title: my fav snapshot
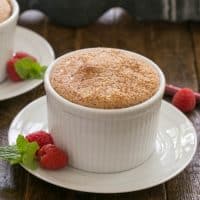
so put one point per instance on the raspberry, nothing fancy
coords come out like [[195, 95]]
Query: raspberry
[[41, 137], [20, 55], [51, 157], [184, 99], [12, 74], [11, 71]]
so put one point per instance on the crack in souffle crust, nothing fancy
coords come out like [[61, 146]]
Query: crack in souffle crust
[[104, 78]]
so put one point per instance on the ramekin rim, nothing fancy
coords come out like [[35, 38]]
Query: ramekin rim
[[78, 107], [14, 15]]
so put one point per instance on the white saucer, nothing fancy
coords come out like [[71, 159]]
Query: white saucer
[[176, 146], [32, 43]]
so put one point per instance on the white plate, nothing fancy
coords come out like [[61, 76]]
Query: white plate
[[176, 146], [32, 43]]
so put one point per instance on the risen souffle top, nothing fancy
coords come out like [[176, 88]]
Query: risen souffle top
[[104, 78]]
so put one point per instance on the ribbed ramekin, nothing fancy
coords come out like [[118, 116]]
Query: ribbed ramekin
[[7, 32], [104, 140]]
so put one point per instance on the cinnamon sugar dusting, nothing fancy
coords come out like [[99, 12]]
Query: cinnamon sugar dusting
[[104, 78], [5, 10]]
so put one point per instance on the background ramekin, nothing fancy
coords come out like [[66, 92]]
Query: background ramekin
[[104, 140], [7, 32]]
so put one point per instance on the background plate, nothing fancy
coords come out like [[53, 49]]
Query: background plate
[[32, 43], [175, 147]]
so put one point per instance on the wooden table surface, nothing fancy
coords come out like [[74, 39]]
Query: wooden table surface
[[174, 47]]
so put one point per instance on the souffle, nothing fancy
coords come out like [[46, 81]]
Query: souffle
[[5, 10], [104, 78]]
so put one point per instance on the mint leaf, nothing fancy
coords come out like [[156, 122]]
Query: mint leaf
[[21, 143], [28, 158], [11, 154], [28, 151], [27, 68], [23, 152]]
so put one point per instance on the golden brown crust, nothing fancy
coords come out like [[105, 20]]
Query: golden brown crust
[[104, 78], [5, 10]]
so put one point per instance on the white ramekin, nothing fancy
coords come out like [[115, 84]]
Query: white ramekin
[[7, 32], [104, 140]]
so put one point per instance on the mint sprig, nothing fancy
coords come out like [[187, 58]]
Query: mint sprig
[[23, 152], [28, 68]]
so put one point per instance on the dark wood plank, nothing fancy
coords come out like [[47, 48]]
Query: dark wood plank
[[186, 185], [195, 31], [37, 189], [11, 187], [195, 34], [61, 38], [155, 193]]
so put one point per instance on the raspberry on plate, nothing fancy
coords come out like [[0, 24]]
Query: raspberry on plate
[[41, 137], [52, 157], [20, 55], [23, 66], [185, 100], [11, 71]]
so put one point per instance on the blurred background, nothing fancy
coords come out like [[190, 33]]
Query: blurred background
[[78, 13]]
